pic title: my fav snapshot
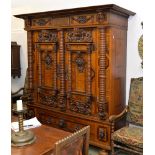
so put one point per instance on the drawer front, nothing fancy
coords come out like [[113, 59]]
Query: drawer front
[[99, 133], [58, 121]]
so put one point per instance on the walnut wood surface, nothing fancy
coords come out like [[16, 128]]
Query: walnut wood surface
[[45, 141], [77, 68]]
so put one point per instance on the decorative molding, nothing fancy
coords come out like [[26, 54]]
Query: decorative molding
[[47, 36], [79, 35], [82, 19]]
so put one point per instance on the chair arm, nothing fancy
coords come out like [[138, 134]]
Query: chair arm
[[14, 93], [113, 118]]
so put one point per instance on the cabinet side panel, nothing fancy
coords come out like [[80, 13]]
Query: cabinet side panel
[[118, 70]]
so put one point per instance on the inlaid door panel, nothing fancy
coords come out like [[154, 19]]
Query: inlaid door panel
[[81, 73], [47, 73]]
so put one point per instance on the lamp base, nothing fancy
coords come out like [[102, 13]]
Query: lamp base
[[22, 138]]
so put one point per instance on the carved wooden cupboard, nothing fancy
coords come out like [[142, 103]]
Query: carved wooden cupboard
[[77, 67]]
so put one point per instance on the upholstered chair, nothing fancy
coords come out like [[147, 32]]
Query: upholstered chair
[[130, 137]]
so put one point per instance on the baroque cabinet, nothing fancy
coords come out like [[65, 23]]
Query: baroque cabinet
[[77, 68]]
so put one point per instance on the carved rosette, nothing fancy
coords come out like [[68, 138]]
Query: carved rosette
[[102, 75], [47, 36], [79, 35]]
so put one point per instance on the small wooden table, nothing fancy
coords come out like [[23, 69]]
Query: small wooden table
[[45, 139]]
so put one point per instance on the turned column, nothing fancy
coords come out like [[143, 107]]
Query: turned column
[[89, 94], [62, 101], [102, 74], [55, 68], [69, 74], [30, 61]]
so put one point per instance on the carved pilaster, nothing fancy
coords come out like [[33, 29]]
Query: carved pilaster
[[62, 102], [102, 75]]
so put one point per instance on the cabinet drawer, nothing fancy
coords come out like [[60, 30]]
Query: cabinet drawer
[[99, 133], [57, 121]]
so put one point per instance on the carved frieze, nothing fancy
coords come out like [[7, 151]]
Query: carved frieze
[[79, 35], [47, 36], [82, 19]]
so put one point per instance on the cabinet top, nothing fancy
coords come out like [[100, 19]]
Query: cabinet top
[[95, 9]]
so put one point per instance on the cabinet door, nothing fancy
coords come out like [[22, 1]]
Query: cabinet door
[[80, 72], [47, 73]]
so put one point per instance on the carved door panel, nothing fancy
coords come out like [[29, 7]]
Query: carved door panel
[[79, 74], [47, 73]]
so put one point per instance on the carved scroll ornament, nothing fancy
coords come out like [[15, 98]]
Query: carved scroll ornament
[[83, 107], [50, 100], [82, 19], [80, 62], [48, 60], [47, 36], [79, 35], [41, 21]]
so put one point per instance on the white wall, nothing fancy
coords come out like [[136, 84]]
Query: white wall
[[29, 6]]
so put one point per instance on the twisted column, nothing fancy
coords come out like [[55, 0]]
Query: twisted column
[[62, 102], [102, 74], [89, 71], [30, 59], [69, 73], [55, 68]]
